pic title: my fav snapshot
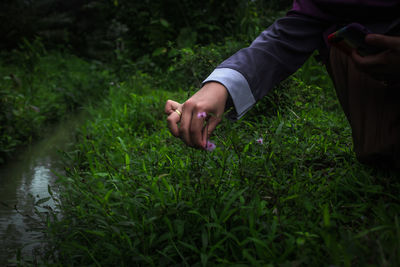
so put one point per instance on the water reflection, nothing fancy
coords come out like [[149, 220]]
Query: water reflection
[[23, 182], [21, 185]]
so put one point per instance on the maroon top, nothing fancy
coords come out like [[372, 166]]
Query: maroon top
[[348, 10]]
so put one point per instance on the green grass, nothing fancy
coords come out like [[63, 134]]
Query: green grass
[[39, 88], [133, 195]]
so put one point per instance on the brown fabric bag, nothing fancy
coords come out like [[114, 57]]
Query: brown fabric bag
[[372, 109]]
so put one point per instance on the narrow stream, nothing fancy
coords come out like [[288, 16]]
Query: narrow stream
[[25, 180]]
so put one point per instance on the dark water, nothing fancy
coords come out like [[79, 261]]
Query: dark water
[[24, 181]]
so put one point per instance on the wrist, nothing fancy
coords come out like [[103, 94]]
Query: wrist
[[217, 89]]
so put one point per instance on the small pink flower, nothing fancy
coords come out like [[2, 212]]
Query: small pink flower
[[260, 141], [210, 146], [201, 115]]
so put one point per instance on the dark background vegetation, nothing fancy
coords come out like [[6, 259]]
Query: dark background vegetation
[[141, 27]]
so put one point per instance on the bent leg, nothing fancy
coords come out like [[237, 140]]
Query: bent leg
[[372, 109]]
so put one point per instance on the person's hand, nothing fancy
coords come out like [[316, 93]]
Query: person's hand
[[384, 66], [188, 124]]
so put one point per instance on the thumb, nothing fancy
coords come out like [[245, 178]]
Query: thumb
[[384, 41], [211, 125]]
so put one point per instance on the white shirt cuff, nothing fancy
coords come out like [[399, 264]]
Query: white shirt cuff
[[237, 86]]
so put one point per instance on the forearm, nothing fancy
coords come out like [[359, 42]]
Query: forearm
[[278, 52]]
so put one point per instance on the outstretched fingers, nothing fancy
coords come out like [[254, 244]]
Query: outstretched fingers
[[391, 44], [384, 41], [382, 66], [370, 61]]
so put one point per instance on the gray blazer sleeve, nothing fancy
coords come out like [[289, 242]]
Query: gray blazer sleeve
[[275, 54]]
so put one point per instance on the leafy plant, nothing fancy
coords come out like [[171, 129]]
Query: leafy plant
[[134, 195]]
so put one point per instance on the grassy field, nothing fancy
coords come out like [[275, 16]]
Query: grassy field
[[39, 88], [133, 195]]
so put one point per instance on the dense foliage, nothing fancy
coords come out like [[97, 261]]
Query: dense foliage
[[282, 188], [96, 28], [135, 195], [38, 88]]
